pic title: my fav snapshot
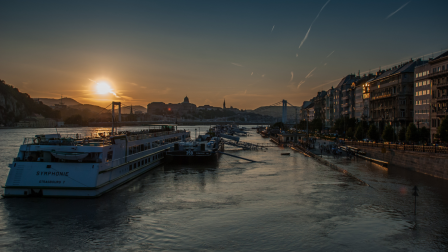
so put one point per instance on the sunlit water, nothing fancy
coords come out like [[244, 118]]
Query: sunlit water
[[286, 203]]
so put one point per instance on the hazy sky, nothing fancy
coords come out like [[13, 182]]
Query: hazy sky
[[252, 53]]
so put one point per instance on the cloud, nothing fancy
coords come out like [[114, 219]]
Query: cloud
[[300, 84], [292, 76], [310, 74], [297, 55], [393, 13], [309, 29], [252, 73], [272, 28], [330, 54], [262, 76], [207, 101], [325, 64], [236, 64], [135, 84]]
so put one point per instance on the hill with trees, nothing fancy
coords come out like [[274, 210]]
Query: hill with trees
[[15, 106]]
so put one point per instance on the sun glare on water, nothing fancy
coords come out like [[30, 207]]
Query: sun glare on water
[[103, 88]]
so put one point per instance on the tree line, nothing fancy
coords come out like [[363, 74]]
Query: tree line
[[359, 130]]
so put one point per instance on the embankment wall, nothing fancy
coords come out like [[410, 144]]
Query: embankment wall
[[433, 164]]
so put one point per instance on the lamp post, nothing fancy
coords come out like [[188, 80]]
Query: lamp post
[[307, 132], [363, 117], [394, 125], [418, 130]]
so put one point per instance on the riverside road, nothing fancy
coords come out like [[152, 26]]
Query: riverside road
[[285, 203]]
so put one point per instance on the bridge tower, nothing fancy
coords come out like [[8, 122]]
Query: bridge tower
[[113, 114], [284, 115]]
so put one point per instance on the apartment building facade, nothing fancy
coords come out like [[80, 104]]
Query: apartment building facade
[[329, 109], [422, 96], [342, 98], [392, 96], [438, 74]]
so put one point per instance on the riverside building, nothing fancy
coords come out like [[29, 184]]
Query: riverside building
[[422, 96], [362, 95], [329, 110], [392, 96], [342, 97], [438, 74]]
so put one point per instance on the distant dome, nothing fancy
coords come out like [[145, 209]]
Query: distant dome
[[186, 100]]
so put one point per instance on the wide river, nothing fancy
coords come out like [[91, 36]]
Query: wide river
[[283, 203]]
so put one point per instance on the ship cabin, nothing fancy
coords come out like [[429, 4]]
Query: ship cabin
[[101, 147]]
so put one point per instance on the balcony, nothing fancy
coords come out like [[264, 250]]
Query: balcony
[[381, 97], [443, 84], [442, 113], [436, 74], [443, 98]]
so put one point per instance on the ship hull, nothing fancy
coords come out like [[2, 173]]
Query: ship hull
[[79, 191]]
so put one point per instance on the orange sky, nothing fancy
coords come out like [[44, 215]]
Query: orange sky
[[249, 53]]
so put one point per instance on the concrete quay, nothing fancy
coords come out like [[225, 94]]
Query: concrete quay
[[430, 163]]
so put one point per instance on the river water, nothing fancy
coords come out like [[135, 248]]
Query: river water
[[284, 203]]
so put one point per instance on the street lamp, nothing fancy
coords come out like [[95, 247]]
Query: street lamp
[[363, 117]]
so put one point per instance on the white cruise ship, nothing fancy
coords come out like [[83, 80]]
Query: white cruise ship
[[56, 166]]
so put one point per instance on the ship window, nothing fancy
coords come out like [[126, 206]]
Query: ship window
[[130, 151], [135, 165], [149, 145], [130, 167], [142, 147], [138, 163], [109, 156]]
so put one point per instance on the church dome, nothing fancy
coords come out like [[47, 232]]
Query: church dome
[[186, 100]]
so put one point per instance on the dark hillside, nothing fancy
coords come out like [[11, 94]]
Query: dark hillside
[[15, 106]]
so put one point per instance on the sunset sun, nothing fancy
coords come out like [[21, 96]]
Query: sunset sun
[[103, 88]]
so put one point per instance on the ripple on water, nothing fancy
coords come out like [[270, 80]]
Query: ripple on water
[[285, 204]]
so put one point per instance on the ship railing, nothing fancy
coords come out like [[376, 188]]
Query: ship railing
[[151, 135], [136, 156], [73, 136], [28, 140], [33, 140]]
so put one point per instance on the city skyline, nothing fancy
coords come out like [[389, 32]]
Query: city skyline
[[251, 54]]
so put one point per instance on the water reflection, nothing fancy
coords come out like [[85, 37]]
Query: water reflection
[[288, 203]]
